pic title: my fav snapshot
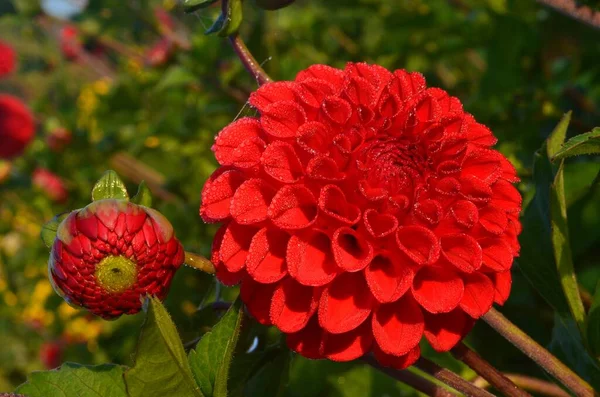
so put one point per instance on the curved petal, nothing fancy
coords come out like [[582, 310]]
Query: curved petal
[[398, 362], [352, 252], [266, 258], [398, 327], [310, 259], [348, 346], [257, 298], [307, 342], [293, 304], [419, 244], [479, 294], [388, 277], [293, 207], [462, 251], [444, 331], [250, 202], [437, 289]]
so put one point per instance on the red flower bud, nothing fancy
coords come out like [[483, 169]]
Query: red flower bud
[[361, 212], [17, 126]]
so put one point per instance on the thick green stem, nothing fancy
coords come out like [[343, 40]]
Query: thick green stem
[[537, 353], [250, 63]]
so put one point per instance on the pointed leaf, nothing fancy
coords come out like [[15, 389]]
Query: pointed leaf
[[49, 230], [558, 135], [211, 360], [562, 249], [109, 186], [161, 367], [143, 195], [76, 380], [588, 143], [593, 324]]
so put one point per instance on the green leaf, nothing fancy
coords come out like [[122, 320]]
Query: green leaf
[[229, 21], [143, 195], [562, 249], [195, 5], [593, 324], [161, 367], [568, 347], [272, 377], [109, 186], [49, 229], [175, 76], [211, 360], [558, 135], [588, 143], [243, 366], [76, 380]]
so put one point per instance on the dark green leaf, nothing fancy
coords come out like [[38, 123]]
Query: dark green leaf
[[272, 377], [195, 5], [558, 135], [568, 346], [143, 196], [161, 367], [109, 186], [593, 324], [562, 249], [49, 230], [242, 368], [588, 143], [76, 380], [229, 21], [211, 360]]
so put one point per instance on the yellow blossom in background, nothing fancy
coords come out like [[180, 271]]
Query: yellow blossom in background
[[82, 329]]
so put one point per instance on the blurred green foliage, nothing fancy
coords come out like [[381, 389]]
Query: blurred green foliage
[[516, 66]]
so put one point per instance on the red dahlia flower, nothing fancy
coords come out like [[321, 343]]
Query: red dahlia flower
[[362, 211], [159, 53], [7, 59], [50, 184], [110, 254], [51, 354], [70, 42], [17, 127]]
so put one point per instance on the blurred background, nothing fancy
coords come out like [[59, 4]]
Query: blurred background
[[136, 86]]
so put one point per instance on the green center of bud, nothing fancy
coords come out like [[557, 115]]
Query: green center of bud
[[116, 274]]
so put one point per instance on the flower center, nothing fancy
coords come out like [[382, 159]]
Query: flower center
[[116, 274]]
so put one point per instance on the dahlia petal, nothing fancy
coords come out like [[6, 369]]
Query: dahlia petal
[[216, 244], [352, 252], [509, 172], [462, 251], [371, 193], [149, 233], [465, 213], [483, 163], [332, 202], [398, 327], [345, 303], [107, 214], [282, 119], [247, 154], [437, 289], [419, 244], [324, 169], [314, 137], [448, 167], [310, 259], [235, 246], [134, 221], [336, 110], [273, 92], [474, 189], [398, 362], [389, 106], [217, 194], [226, 277], [428, 211], [293, 305], [479, 294], [444, 331], [477, 133], [427, 109], [281, 162], [233, 135], [266, 258], [376, 75], [162, 226], [493, 220], [293, 207], [497, 254], [322, 72], [348, 346], [312, 91], [307, 341], [121, 227], [87, 224], [257, 298], [379, 225], [359, 91], [502, 283], [506, 196], [250, 202], [388, 278]]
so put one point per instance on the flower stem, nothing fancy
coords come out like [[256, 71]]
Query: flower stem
[[537, 353], [487, 371], [537, 386], [411, 379], [199, 262], [250, 63], [451, 379]]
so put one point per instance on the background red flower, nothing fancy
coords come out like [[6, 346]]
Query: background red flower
[[17, 126], [361, 211], [7, 59]]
